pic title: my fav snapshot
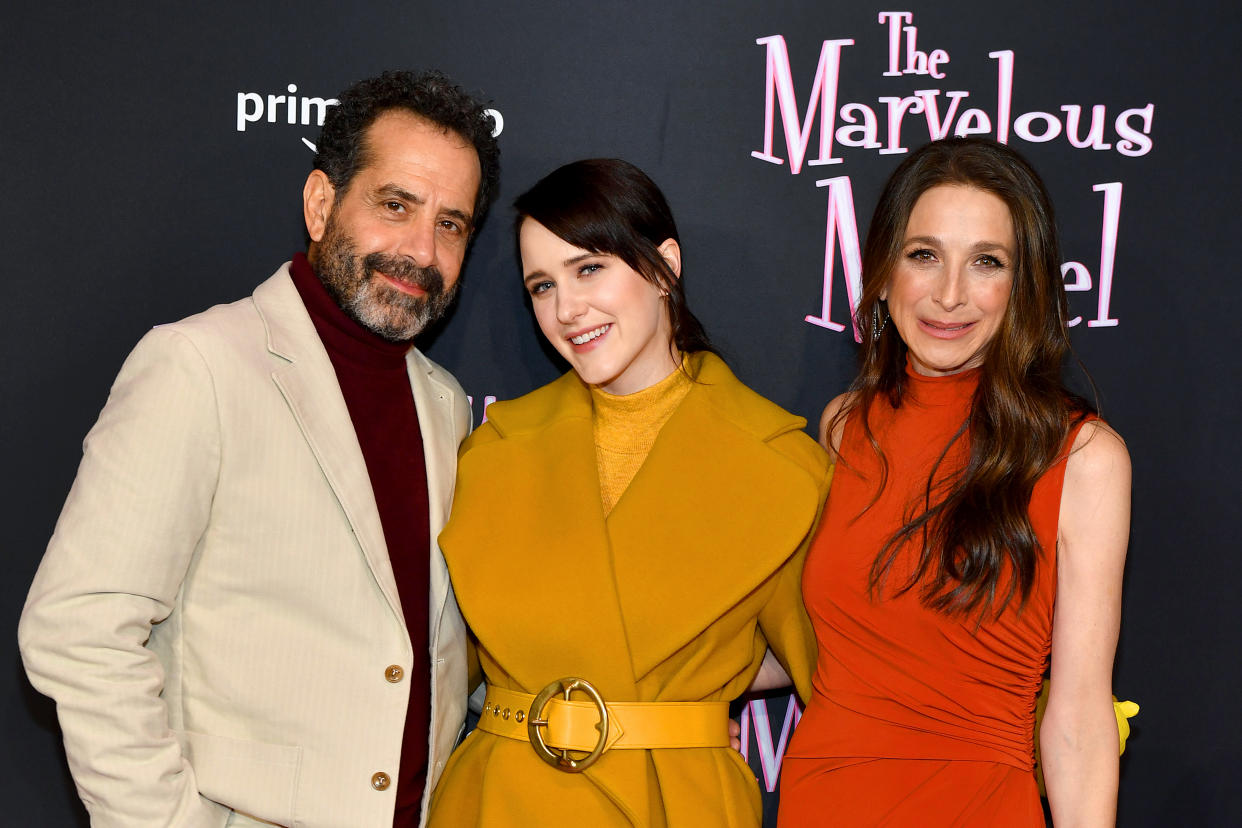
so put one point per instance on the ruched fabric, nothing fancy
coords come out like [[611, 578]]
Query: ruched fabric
[[916, 718]]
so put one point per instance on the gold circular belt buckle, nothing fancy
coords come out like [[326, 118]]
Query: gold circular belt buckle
[[560, 758]]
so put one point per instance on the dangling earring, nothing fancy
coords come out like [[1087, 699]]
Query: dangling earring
[[877, 327]]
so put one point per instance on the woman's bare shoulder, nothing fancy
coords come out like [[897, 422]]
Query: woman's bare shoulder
[[831, 442], [1098, 454], [1094, 521]]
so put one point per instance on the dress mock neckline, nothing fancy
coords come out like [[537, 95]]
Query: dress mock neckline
[[945, 389]]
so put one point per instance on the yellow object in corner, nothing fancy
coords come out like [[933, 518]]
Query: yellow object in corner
[[1123, 711]]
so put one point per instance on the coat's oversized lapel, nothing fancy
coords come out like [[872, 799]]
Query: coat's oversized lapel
[[309, 385], [528, 532], [713, 506]]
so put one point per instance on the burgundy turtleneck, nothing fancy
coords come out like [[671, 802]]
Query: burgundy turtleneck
[[374, 381]]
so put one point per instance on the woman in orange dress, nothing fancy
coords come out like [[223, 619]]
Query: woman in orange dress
[[976, 527]]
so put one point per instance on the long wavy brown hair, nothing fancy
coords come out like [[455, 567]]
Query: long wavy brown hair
[[977, 549]]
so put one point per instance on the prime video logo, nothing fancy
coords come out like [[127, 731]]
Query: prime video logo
[[290, 108]]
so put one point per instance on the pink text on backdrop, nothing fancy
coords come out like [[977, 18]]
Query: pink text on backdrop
[[487, 400], [756, 722], [860, 123]]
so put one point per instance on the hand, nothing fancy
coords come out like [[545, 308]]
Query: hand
[[735, 735]]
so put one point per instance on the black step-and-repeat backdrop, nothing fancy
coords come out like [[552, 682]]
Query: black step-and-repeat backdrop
[[154, 156]]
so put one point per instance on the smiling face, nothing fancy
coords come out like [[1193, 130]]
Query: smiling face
[[950, 287], [600, 314], [390, 248]]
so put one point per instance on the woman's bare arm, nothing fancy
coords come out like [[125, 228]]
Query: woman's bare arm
[[1078, 739]]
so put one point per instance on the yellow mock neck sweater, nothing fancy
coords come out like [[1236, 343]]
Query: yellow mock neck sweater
[[626, 427]]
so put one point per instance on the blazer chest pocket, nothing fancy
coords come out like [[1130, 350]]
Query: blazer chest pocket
[[255, 778]]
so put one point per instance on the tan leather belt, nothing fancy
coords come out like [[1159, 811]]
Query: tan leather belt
[[555, 724]]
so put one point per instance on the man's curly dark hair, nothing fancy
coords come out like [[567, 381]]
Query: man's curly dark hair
[[342, 148]]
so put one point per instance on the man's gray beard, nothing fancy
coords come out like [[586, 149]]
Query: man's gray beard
[[385, 311]]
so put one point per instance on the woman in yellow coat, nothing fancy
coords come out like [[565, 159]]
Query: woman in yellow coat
[[626, 543]]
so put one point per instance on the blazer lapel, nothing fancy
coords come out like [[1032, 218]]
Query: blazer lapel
[[309, 385], [711, 514], [434, 402]]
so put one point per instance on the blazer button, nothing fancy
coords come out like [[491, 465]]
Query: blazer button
[[394, 673], [380, 781]]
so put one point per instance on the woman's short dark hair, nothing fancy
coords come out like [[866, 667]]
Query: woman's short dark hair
[[342, 149], [606, 205]]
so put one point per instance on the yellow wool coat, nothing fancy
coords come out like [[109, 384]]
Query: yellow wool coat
[[675, 596]]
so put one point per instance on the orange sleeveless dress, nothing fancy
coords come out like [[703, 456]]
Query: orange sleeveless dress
[[916, 718]]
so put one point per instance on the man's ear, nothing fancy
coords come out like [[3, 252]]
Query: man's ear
[[671, 251], [318, 197]]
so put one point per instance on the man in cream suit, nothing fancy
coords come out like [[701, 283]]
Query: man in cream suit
[[243, 615]]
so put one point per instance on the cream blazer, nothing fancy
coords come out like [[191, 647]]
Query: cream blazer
[[216, 615]]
